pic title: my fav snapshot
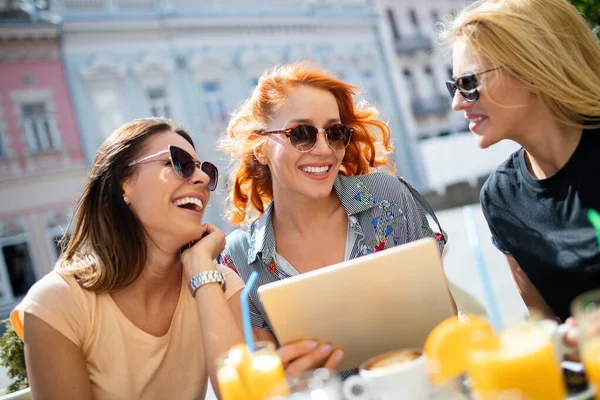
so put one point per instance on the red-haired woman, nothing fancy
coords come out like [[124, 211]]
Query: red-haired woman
[[307, 160]]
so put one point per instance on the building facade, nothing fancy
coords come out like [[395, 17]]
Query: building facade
[[42, 165], [454, 167], [195, 62]]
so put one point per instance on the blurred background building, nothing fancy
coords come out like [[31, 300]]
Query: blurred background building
[[42, 166], [71, 71]]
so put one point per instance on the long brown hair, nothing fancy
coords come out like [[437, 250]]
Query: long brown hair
[[250, 182], [107, 248]]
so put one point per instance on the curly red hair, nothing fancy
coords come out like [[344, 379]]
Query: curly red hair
[[250, 182]]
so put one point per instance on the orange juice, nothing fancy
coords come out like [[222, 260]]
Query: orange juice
[[266, 372], [590, 355], [245, 375], [524, 367]]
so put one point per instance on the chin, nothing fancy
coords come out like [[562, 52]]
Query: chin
[[483, 142]]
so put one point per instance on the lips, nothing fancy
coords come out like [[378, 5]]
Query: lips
[[190, 203]]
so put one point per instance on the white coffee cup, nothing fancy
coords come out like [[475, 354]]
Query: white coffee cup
[[395, 375]]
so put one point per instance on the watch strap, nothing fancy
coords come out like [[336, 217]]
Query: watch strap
[[204, 277]]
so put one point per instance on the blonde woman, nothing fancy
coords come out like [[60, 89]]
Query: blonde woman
[[528, 71]]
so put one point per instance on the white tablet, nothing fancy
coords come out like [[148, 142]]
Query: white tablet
[[384, 301]]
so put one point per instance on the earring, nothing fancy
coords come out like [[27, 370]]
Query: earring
[[126, 199]]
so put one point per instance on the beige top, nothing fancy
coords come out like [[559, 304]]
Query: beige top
[[123, 361]]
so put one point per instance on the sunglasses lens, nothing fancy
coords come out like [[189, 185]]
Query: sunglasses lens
[[338, 136], [303, 137], [451, 86], [213, 174], [183, 162]]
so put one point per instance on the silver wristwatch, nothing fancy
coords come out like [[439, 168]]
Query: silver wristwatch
[[202, 278]]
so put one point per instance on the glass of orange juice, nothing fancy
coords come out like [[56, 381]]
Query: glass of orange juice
[[586, 309], [523, 367], [245, 375]]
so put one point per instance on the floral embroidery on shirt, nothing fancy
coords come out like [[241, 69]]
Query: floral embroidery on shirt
[[271, 264], [364, 196], [226, 259], [384, 227]]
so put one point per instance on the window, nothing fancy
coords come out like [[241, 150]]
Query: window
[[158, 102], [215, 107], [37, 125], [108, 110], [431, 79], [253, 82], [370, 86], [410, 83], [449, 72], [19, 267], [415, 20], [435, 16], [392, 20]]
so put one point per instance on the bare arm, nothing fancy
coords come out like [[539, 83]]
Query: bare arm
[[528, 292], [55, 366], [220, 326]]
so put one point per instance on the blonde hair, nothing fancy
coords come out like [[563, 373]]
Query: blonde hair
[[250, 181], [545, 43], [107, 248]]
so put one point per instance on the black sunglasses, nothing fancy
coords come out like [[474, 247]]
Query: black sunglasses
[[467, 85], [185, 165], [304, 137]]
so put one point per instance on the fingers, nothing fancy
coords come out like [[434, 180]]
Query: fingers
[[334, 359], [294, 350], [314, 359]]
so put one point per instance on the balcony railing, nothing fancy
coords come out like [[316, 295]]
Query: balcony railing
[[413, 44], [72, 9], [26, 164], [431, 105]]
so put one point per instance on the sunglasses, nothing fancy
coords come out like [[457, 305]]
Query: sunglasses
[[304, 137], [185, 165], [467, 85]]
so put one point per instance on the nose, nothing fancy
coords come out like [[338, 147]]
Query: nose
[[458, 101], [322, 147], [199, 177]]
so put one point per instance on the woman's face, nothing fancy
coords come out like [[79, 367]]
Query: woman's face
[[310, 174], [154, 188], [506, 107]]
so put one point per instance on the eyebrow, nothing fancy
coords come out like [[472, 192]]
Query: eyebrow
[[310, 121]]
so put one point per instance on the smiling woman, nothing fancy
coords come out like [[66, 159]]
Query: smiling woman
[[307, 184], [115, 318], [528, 71]]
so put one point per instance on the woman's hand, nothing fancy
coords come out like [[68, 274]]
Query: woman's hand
[[200, 256], [571, 339], [305, 355]]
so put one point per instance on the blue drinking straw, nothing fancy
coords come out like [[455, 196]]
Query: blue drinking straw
[[246, 311], [494, 311]]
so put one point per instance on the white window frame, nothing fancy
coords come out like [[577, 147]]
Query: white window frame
[[156, 73], [5, 148], [8, 239], [209, 67], [158, 107], [215, 101], [24, 97], [101, 75], [57, 228]]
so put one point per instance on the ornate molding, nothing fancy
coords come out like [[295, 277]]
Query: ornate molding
[[153, 67], [255, 61], [209, 66], [103, 68], [297, 54]]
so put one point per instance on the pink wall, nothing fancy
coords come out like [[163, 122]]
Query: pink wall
[[45, 74]]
